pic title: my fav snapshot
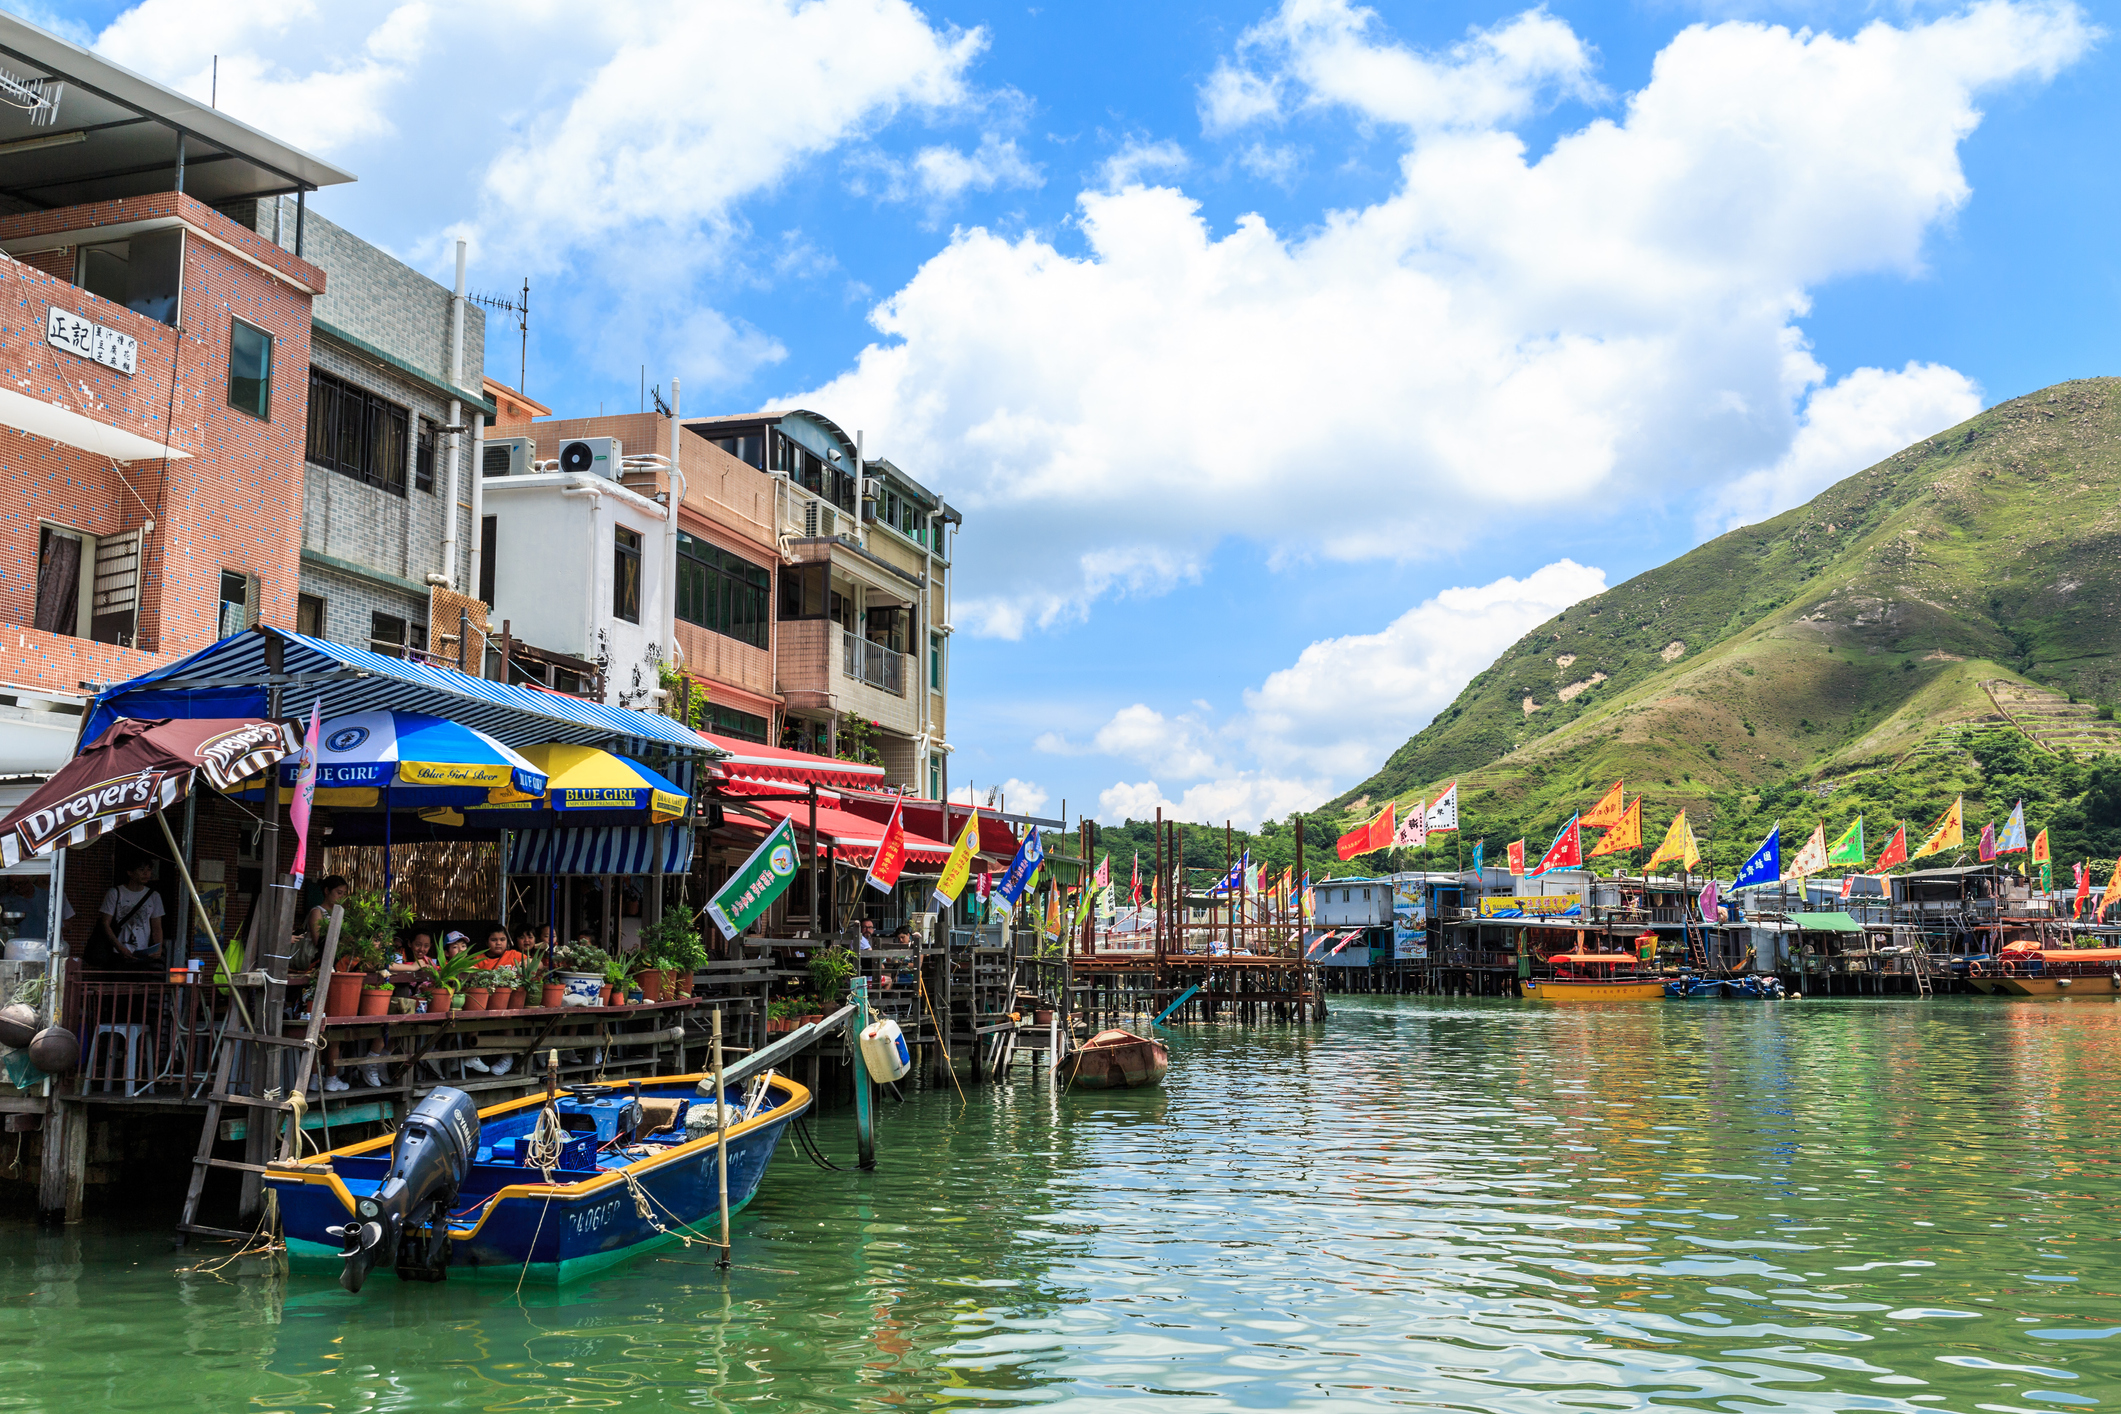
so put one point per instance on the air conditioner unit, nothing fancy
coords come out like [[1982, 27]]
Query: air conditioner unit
[[592, 456], [508, 456], [872, 488]]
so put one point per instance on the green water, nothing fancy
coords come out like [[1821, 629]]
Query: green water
[[1475, 1205]]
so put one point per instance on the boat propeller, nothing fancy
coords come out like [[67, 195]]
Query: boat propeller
[[408, 1216]]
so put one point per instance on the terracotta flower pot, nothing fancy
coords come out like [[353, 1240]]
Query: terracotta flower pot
[[611, 994], [555, 994], [439, 999], [475, 998], [685, 983], [650, 981], [518, 998], [375, 1001], [342, 994]]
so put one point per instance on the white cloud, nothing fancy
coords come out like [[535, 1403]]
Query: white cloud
[[1854, 423], [1334, 714], [1140, 158], [1016, 796], [947, 172], [1501, 339]]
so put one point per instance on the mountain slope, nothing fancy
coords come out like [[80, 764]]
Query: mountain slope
[[1836, 638]]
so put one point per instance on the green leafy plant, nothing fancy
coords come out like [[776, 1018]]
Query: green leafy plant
[[673, 942], [856, 740], [619, 970], [789, 1008], [373, 923], [830, 971], [583, 957]]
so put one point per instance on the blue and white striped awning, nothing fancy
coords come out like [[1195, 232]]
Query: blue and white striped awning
[[224, 681], [607, 849]]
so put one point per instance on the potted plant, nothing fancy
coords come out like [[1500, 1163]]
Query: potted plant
[[515, 985], [830, 971], [546, 987], [618, 971], [442, 979], [582, 974], [782, 1015], [356, 970], [673, 941], [375, 994]]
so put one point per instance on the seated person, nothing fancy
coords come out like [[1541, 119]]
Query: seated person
[[498, 953]]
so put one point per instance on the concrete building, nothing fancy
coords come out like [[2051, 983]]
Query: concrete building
[[158, 354], [863, 605], [386, 482]]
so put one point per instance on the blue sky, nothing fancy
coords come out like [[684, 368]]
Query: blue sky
[[1287, 360]]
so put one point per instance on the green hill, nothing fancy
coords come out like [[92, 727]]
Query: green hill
[[1849, 637]]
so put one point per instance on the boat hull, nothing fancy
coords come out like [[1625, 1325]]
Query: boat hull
[[1117, 1060], [1568, 990], [559, 1232], [2102, 986]]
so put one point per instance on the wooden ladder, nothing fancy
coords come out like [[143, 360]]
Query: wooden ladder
[[225, 1051], [1922, 975]]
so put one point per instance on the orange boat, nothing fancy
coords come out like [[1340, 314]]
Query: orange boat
[[1595, 977], [2029, 970]]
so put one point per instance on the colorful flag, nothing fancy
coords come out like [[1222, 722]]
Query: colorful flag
[[1848, 884], [1443, 815], [1812, 858], [305, 791], [1514, 850], [1708, 901], [1477, 846], [2113, 889], [1414, 830], [1765, 867], [957, 869], [1376, 834], [2084, 888], [1607, 812], [2012, 840], [2047, 879], [1988, 843], [983, 889], [1104, 872], [1950, 832], [1895, 851], [1016, 880], [1235, 879], [890, 857], [1053, 918], [2041, 853], [1849, 848], [763, 877], [1566, 852], [1134, 889], [1626, 832], [1678, 844]]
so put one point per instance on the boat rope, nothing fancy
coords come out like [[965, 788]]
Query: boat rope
[[542, 1150], [645, 1202], [807, 1142], [942, 1037]]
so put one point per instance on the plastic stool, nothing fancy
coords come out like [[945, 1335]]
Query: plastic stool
[[134, 1032]]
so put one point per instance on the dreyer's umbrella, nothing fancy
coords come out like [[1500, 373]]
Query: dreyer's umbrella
[[136, 768], [420, 761]]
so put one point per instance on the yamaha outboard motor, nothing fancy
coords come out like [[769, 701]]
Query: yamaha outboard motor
[[407, 1219]]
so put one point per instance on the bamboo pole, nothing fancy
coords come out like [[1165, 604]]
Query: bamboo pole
[[721, 1137]]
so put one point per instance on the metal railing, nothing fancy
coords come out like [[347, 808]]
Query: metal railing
[[872, 663], [144, 1035]]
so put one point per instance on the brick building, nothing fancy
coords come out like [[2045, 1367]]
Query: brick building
[[154, 416]]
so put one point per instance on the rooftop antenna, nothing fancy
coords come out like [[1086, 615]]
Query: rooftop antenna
[[520, 308]]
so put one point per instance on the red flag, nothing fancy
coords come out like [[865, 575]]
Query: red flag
[[890, 854], [1377, 834], [2084, 889], [1895, 851], [1517, 857], [1988, 843], [1566, 852], [1134, 890]]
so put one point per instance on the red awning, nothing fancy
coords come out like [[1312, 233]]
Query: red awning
[[853, 835], [925, 817], [752, 760]]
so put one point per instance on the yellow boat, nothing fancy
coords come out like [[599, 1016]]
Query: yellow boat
[[2050, 972], [1577, 978]]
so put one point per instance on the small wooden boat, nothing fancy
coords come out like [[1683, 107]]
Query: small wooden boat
[[2028, 970], [1595, 977], [457, 1191], [1116, 1060]]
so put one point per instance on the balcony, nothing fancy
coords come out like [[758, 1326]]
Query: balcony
[[872, 663]]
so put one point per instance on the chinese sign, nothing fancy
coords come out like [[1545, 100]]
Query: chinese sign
[[76, 335], [1410, 919], [757, 882]]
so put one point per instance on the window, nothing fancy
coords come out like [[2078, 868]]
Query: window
[[392, 636], [935, 661], [722, 591], [309, 615], [60, 596], [423, 458], [626, 576], [744, 726], [890, 625], [249, 369], [145, 273], [803, 592], [935, 778], [355, 433], [750, 448], [489, 539], [239, 603]]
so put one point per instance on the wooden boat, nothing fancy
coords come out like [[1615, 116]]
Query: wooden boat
[[1116, 1060], [1595, 977], [480, 1206], [2023, 970]]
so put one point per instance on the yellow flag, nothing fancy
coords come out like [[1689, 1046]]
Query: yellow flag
[[1950, 832], [1625, 834], [958, 868], [1053, 921], [1678, 844], [1607, 812], [2113, 891]]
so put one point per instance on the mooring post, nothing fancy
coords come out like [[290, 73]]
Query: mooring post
[[864, 1101]]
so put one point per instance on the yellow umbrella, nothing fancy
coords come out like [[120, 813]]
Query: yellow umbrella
[[584, 778]]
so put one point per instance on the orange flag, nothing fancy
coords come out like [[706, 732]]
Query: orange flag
[[1626, 833], [1895, 851], [1607, 812]]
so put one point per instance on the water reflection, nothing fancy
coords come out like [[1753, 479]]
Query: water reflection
[[1876, 1206]]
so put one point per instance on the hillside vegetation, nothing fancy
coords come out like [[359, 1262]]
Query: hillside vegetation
[[1847, 638]]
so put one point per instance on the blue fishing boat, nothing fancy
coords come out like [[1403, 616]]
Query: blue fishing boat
[[1745, 987], [551, 1187]]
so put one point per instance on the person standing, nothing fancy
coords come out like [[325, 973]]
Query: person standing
[[129, 923]]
